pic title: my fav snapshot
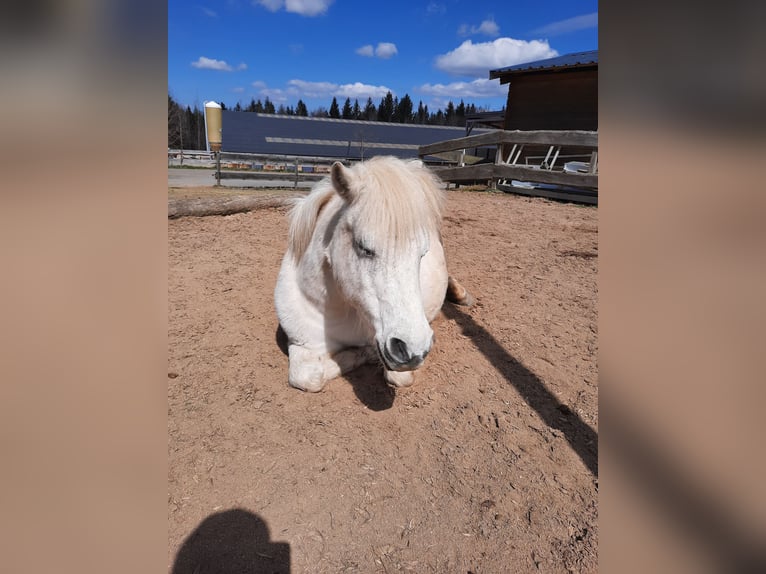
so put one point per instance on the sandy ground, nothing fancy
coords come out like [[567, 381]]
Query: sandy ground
[[487, 464]]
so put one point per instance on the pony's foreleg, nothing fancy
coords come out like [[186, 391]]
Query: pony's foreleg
[[311, 371], [458, 294]]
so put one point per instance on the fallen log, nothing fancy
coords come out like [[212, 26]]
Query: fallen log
[[201, 207]]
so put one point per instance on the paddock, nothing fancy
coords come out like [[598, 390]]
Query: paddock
[[488, 463]]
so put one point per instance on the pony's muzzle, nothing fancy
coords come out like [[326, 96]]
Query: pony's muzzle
[[398, 356]]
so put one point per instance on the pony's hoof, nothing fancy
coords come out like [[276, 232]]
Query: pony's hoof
[[308, 386], [399, 378], [308, 378]]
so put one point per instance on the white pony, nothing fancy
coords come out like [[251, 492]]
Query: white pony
[[364, 273]]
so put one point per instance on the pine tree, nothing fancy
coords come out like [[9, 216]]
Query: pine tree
[[356, 113], [334, 110], [300, 109], [421, 115], [175, 124], [268, 106], [370, 113], [404, 110], [347, 112], [238, 107], [450, 114], [460, 114], [386, 108]]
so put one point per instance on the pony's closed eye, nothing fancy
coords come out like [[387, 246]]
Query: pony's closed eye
[[362, 250]]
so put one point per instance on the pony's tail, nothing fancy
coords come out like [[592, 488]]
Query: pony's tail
[[458, 294]]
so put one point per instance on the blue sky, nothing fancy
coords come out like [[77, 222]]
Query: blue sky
[[314, 50]]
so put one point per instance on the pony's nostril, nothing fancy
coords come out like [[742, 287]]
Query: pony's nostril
[[399, 350]]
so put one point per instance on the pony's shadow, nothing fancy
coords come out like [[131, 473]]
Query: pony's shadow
[[367, 381]]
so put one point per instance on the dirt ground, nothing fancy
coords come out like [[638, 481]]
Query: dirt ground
[[487, 464]]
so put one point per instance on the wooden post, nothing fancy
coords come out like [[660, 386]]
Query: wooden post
[[296, 174], [218, 168], [593, 162]]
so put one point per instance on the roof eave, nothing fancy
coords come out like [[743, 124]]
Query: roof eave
[[505, 75]]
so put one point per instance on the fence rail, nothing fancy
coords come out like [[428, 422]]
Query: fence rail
[[513, 146], [230, 165]]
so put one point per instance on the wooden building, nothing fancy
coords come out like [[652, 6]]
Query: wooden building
[[554, 94], [545, 142]]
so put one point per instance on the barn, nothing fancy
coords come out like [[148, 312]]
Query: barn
[[553, 94], [269, 134], [546, 140]]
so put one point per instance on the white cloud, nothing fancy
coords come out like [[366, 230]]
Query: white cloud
[[276, 95], [204, 63], [306, 89], [569, 25], [385, 50], [477, 60], [259, 85], [238, 90], [359, 90], [476, 89], [487, 27], [366, 50], [210, 13], [313, 89], [302, 7]]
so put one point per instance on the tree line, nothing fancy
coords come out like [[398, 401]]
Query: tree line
[[186, 126]]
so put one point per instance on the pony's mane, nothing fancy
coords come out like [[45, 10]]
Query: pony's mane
[[303, 217], [395, 199], [398, 198]]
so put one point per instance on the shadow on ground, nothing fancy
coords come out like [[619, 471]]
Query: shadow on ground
[[233, 541], [581, 437]]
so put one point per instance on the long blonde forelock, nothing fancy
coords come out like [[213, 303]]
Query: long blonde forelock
[[393, 198], [397, 199]]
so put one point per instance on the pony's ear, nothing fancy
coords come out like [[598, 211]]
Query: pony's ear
[[342, 181]]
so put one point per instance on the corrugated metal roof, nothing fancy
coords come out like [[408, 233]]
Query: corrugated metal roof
[[250, 132], [565, 61]]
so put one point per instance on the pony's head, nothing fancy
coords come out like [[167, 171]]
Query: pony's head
[[390, 216]]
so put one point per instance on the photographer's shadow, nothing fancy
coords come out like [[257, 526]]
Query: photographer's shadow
[[229, 542]]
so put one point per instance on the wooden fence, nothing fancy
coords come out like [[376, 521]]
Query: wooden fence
[[295, 169], [564, 180]]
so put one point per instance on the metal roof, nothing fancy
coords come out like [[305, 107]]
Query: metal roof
[[575, 59], [250, 132]]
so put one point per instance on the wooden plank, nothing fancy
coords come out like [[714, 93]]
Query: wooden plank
[[577, 138], [289, 175], [274, 158], [491, 138], [518, 172], [590, 198]]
